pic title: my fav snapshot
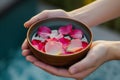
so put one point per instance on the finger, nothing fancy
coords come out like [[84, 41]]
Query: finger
[[26, 52], [40, 16], [62, 72], [31, 58], [84, 74], [84, 64], [58, 13], [80, 66], [25, 45], [53, 70]]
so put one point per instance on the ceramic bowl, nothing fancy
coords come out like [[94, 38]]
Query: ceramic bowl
[[59, 60]]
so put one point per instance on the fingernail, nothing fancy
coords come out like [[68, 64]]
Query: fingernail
[[73, 70], [26, 24]]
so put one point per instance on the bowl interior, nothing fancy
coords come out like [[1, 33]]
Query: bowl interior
[[55, 23]]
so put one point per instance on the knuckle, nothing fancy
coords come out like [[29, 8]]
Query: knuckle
[[45, 11]]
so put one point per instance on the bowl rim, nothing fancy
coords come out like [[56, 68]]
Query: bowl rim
[[33, 25]]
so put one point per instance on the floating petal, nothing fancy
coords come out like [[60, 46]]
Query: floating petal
[[35, 42], [65, 29], [66, 53], [41, 46], [44, 31], [53, 48], [84, 44], [74, 45], [65, 42], [54, 33], [76, 33]]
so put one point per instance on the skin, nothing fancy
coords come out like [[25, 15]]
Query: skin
[[105, 50]]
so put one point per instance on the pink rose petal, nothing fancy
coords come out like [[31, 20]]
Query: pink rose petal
[[65, 29], [66, 53], [44, 31], [53, 48], [84, 44], [75, 45], [65, 42], [76, 33]]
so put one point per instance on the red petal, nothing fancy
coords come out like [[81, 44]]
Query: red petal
[[65, 29], [35, 42], [41, 46], [44, 31], [38, 45], [64, 41], [65, 53], [75, 45], [76, 33], [84, 44]]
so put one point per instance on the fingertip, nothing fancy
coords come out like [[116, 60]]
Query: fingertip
[[72, 70], [26, 52], [27, 24], [41, 16], [77, 67], [31, 58], [39, 64], [25, 45]]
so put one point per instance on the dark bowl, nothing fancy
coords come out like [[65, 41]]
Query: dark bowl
[[59, 60]]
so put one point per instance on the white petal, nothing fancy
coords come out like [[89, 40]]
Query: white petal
[[54, 33]]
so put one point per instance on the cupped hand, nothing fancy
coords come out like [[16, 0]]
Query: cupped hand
[[47, 14], [96, 56]]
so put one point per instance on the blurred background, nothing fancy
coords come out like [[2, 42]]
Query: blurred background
[[13, 14]]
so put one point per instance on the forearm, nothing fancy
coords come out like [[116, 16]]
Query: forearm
[[114, 50], [97, 12]]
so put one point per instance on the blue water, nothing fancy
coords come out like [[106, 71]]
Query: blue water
[[13, 65], [20, 69]]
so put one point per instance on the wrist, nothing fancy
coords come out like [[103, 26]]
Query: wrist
[[97, 12], [114, 50], [80, 16]]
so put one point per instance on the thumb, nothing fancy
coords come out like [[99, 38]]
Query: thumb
[[80, 66], [94, 58], [40, 16]]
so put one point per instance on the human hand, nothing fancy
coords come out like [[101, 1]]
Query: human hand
[[83, 68], [97, 55]]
